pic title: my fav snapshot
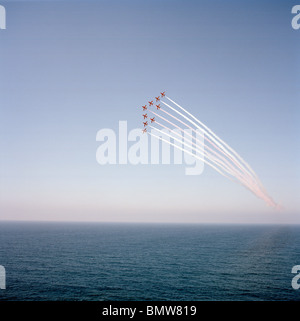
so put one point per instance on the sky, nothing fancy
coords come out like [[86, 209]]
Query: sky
[[72, 68]]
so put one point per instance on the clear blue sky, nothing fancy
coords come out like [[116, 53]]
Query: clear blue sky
[[70, 68]]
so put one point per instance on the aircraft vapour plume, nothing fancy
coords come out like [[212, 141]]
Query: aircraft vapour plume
[[215, 152]]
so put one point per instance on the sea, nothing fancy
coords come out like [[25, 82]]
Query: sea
[[47, 261]]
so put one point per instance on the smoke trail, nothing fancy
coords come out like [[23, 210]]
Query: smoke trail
[[254, 179], [242, 174], [221, 157], [218, 138], [199, 151], [202, 159], [219, 163], [188, 152], [239, 180], [207, 134], [226, 146]]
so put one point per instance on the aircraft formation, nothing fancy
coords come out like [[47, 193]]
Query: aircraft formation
[[213, 151], [150, 103]]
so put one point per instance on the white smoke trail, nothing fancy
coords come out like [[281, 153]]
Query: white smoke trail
[[197, 150], [245, 176], [206, 162], [248, 170], [244, 171], [217, 137], [230, 170], [188, 152], [240, 180], [208, 135], [233, 164], [237, 173]]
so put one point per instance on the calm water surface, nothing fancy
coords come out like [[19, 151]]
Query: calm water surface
[[101, 261]]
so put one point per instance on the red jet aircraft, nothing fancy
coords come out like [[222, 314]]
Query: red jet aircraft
[[145, 116], [150, 102], [144, 130], [163, 94], [158, 106], [145, 123], [144, 107], [152, 120], [157, 99]]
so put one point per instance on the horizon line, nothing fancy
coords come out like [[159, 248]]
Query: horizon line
[[147, 222]]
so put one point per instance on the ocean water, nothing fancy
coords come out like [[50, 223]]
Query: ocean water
[[101, 261]]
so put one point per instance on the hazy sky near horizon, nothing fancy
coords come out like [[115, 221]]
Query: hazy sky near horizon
[[71, 68]]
